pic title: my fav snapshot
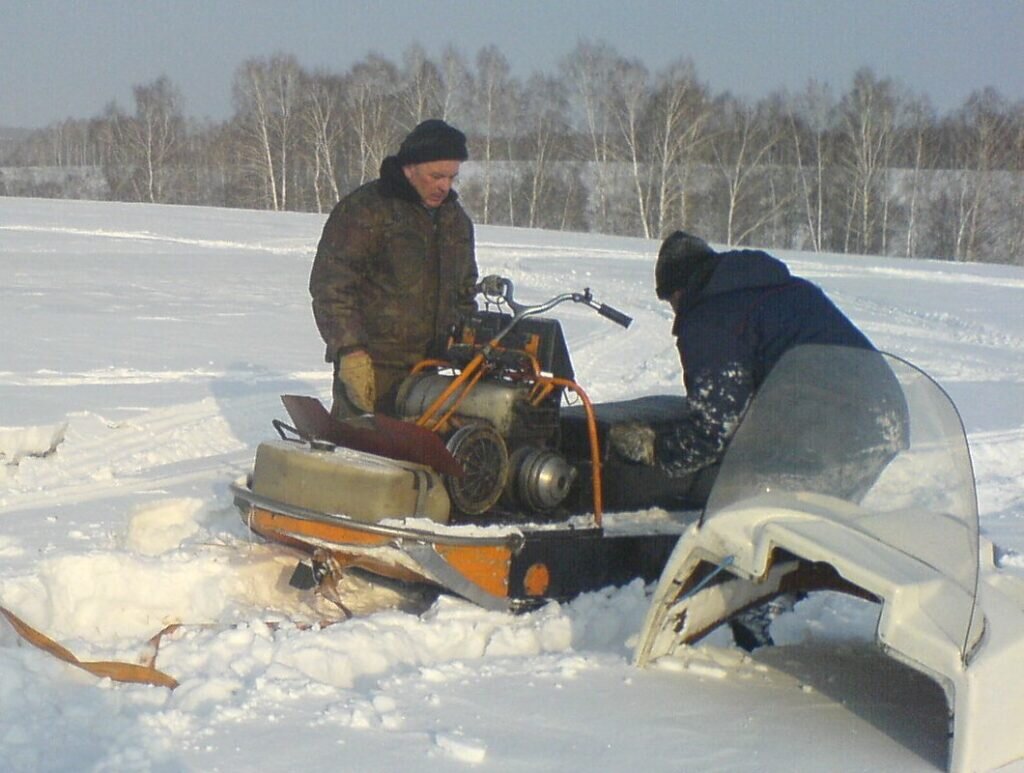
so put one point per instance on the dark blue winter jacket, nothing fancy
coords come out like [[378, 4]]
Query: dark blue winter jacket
[[730, 335]]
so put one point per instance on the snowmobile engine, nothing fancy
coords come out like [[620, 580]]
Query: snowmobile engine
[[526, 473]]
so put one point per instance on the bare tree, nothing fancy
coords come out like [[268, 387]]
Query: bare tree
[[372, 100], [602, 145], [920, 118], [66, 143], [1015, 195], [740, 146], [677, 116], [323, 128], [985, 145], [628, 102], [456, 85], [156, 133], [543, 131], [867, 125], [140, 147], [811, 116], [266, 99], [494, 115], [588, 68], [424, 88]]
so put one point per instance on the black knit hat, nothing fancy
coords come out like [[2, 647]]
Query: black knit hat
[[684, 261], [433, 140]]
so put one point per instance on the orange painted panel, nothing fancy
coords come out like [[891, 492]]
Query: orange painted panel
[[485, 566], [278, 526], [537, 580]]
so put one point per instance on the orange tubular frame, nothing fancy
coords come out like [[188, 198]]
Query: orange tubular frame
[[595, 447], [466, 380]]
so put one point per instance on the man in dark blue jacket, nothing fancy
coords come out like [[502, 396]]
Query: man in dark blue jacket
[[737, 313]]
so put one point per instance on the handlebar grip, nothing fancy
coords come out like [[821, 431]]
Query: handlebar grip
[[614, 315]]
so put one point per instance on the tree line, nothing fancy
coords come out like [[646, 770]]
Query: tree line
[[602, 144]]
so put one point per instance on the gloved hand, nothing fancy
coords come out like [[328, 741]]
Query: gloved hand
[[633, 441], [355, 371]]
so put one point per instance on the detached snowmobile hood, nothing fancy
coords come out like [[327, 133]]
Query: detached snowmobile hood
[[899, 529]]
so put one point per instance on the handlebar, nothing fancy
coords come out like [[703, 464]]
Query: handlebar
[[614, 315], [499, 290]]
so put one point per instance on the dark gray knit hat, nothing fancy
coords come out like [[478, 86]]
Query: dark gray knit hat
[[433, 140], [682, 258]]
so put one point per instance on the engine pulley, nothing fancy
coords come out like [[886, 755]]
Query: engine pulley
[[540, 478]]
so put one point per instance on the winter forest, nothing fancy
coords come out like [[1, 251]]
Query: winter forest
[[601, 145]]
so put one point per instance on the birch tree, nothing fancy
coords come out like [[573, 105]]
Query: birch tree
[[141, 146], [424, 89], [543, 131], [266, 98], [630, 94], [372, 105], [811, 117], [867, 123], [323, 130], [456, 86], [920, 120], [589, 69], [677, 117], [741, 145], [494, 116], [985, 144], [155, 134]]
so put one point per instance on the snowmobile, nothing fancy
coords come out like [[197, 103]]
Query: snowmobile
[[788, 515], [491, 480]]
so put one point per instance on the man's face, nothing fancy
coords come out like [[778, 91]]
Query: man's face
[[432, 180]]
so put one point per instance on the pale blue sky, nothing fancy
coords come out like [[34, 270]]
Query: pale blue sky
[[61, 58]]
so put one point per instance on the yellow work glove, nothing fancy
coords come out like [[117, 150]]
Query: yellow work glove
[[633, 441], [355, 371]]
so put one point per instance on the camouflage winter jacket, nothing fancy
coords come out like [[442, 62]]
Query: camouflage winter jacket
[[391, 275]]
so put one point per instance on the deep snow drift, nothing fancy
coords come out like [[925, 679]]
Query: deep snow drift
[[144, 349]]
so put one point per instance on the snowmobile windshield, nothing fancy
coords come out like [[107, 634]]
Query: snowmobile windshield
[[841, 426]]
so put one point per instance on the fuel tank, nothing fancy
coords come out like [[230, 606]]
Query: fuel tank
[[337, 480]]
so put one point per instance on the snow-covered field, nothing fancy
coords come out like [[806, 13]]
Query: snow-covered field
[[143, 352]]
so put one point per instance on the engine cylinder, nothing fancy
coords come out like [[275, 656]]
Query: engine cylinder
[[488, 401]]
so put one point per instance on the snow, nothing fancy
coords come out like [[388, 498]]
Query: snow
[[144, 352]]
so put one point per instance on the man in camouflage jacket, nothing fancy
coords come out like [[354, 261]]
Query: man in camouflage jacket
[[394, 270]]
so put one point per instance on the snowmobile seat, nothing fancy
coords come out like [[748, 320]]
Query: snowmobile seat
[[629, 486]]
